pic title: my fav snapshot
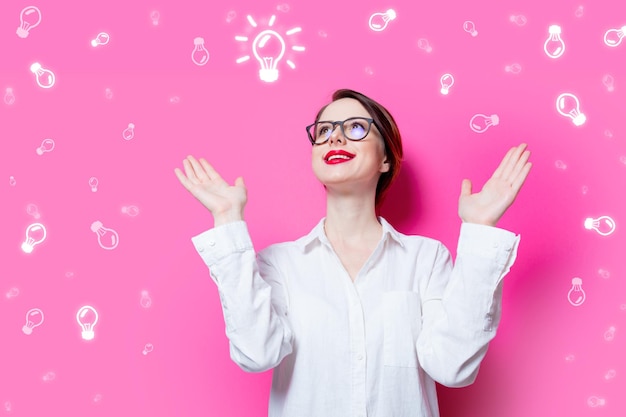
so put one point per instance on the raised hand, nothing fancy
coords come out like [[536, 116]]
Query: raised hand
[[225, 202], [499, 192]]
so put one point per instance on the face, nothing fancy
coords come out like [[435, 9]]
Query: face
[[341, 161]]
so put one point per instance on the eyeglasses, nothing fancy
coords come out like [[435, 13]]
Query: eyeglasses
[[354, 128]]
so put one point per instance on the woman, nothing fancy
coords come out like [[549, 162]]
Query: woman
[[356, 318]]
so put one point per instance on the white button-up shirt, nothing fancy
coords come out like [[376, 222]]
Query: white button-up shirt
[[373, 347]]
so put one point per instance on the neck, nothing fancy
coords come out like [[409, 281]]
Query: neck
[[351, 218]]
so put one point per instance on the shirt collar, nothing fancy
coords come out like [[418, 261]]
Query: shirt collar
[[318, 234]]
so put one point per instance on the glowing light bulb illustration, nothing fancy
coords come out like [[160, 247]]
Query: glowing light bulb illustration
[[12, 293], [131, 210], [107, 238], [268, 57], [580, 10], [47, 145], [423, 44], [34, 318], [576, 294], [108, 94], [149, 347], [379, 21], [44, 77], [514, 68], [49, 376], [87, 317], [199, 55], [35, 234], [230, 16], [129, 132], [479, 123], [609, 82], [470, 28], [174, 99], [30, 17], [155, 16], [9, 97], [554, 45], [609, 335], [567, 104], [33, 210], [12, 181], [101, 39], [145, 300], [595, 401], [604, 225], [446, 80], [610, 374], [519, 20], [613, 37], [93, 183]]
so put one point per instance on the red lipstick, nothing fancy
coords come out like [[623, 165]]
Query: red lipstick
[[338, 157]]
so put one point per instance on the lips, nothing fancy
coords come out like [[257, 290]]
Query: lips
[[338, 157]]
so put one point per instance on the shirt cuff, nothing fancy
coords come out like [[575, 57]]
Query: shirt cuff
[[221, 241], [485, 241]]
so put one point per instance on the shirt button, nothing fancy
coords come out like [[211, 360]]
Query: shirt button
[[360, 356], [211, 243], [200, 249]]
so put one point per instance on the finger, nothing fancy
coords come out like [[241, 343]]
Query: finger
[[515, 156], [521, 178], [498, 172], [239, 182], [466, 187], [189, 172], [210, 171], [183, 179], [521, 162], [198, 171]]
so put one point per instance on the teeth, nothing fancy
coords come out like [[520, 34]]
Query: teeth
[[338, 157]]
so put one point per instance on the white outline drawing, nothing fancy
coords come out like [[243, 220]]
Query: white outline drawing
[[199, 55], [567, 104], [479, 123], [576, 295], [87, 321], [107, 238], [614, 37], [554, 45], [34, 318], [446, 81], [604, 225], [129, 132], [101, 39], [93, 183], [35, 234], [47, 145], [30, 17], [379, 21], [470, 28]]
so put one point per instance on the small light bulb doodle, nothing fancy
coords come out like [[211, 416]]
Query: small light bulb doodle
[[584, 189], [446, 81], [570, 358], [554, 45], [199, 55], [8, 407], [322, 34], [576, 294], [567, 104], [149, 347], [101, 39], [129, 132], [470, 28], [93, 183], [613, 37], [479, 123], [560, 165], [155, 16], [379, 21], [49, 376], [514, 68], [145, 300], [580, 10], [107, 238], [519, 19], [33, 210], [108, 94], [610, 374], [609, 335], [284, 7], [30, 17], [595, 402], [604, 225], [424, 45], [47, 145], [9, 97], [34, 318], [174, 100], [44, 77], [12, 181], [87, 317], [230, 16], [12, 293], [604, 273], [608, 133], [131, 210], [35, 234], [609, 82]]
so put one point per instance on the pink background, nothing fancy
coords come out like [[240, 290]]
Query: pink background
[[550, 358]]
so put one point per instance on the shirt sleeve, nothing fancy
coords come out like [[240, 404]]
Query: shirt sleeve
[[252, 294], [462, 305]]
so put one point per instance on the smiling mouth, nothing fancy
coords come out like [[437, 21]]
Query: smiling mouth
[[338, 157]]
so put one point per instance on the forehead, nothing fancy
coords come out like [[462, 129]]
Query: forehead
[[342, 109]]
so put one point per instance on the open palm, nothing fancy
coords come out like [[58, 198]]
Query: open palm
[[499, 192]]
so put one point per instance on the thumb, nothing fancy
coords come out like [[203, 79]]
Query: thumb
[[466, 187], [239, 182]]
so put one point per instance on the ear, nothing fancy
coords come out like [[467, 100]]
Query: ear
[[385, 166]]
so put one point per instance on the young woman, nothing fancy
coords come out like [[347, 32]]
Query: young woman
[[356, 318]]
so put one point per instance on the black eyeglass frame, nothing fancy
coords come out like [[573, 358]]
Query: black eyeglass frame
[[369, 120]]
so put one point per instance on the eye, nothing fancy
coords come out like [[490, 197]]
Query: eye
[[358, 128], [323, 129]]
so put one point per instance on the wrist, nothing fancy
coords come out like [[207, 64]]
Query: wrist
[[228, 217]]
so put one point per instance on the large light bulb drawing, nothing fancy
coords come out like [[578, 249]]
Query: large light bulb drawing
[[470, 28], [30, 17], [107, 238], [267, 56], [35, 234], [269, 48], [47, 145], [479, 123], [604, 225], [379, 21], [446, 80], [87, 317], [567, 104], [554, 45], [44, 77], [199, 55], [102, 39], [613, 37], [576, 294], [34, 318]]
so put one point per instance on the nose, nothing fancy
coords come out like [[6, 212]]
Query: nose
[[336, 134]]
